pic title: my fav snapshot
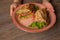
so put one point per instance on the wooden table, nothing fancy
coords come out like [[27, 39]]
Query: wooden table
[[8, 31]]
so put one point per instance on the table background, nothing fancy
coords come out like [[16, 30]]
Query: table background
[[8, 31]]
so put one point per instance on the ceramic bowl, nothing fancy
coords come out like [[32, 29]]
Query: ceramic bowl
[[20, 26]]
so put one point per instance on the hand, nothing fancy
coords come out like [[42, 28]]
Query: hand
[[49, 6], [12, 8]]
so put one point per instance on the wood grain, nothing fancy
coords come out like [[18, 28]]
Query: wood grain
[[8, 31]]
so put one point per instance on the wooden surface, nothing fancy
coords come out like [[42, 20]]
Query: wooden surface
[[8, 31]]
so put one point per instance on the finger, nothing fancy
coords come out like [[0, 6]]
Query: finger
[[49, 6], [11, 9], [46, 0]]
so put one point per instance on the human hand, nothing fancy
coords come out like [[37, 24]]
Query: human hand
[[13, 7], [48, 5]]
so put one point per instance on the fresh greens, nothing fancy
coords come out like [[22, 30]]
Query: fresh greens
[[38, 24], [35, 8], [23, 16], [33, 24], [41, 24]]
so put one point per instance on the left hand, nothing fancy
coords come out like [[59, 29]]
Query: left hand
[[48, 5]]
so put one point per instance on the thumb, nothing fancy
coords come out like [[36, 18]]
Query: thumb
[[12, 8], [49, 6]]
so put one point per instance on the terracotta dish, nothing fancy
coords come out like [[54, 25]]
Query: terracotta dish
[[23, 25]]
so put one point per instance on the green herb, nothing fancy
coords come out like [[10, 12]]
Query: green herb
[[38, 24], [23, 16], [35, 8], [43, 23], [33, 24]]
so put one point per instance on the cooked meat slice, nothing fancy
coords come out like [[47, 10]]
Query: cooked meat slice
[[39, 16], [26, 22]]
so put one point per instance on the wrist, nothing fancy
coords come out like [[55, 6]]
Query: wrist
[[46, 0], [17, 1]]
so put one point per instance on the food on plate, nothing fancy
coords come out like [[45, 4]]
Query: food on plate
[[32, 16]]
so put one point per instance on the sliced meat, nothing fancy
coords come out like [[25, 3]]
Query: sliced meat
[[39, 17], [26, 21]]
